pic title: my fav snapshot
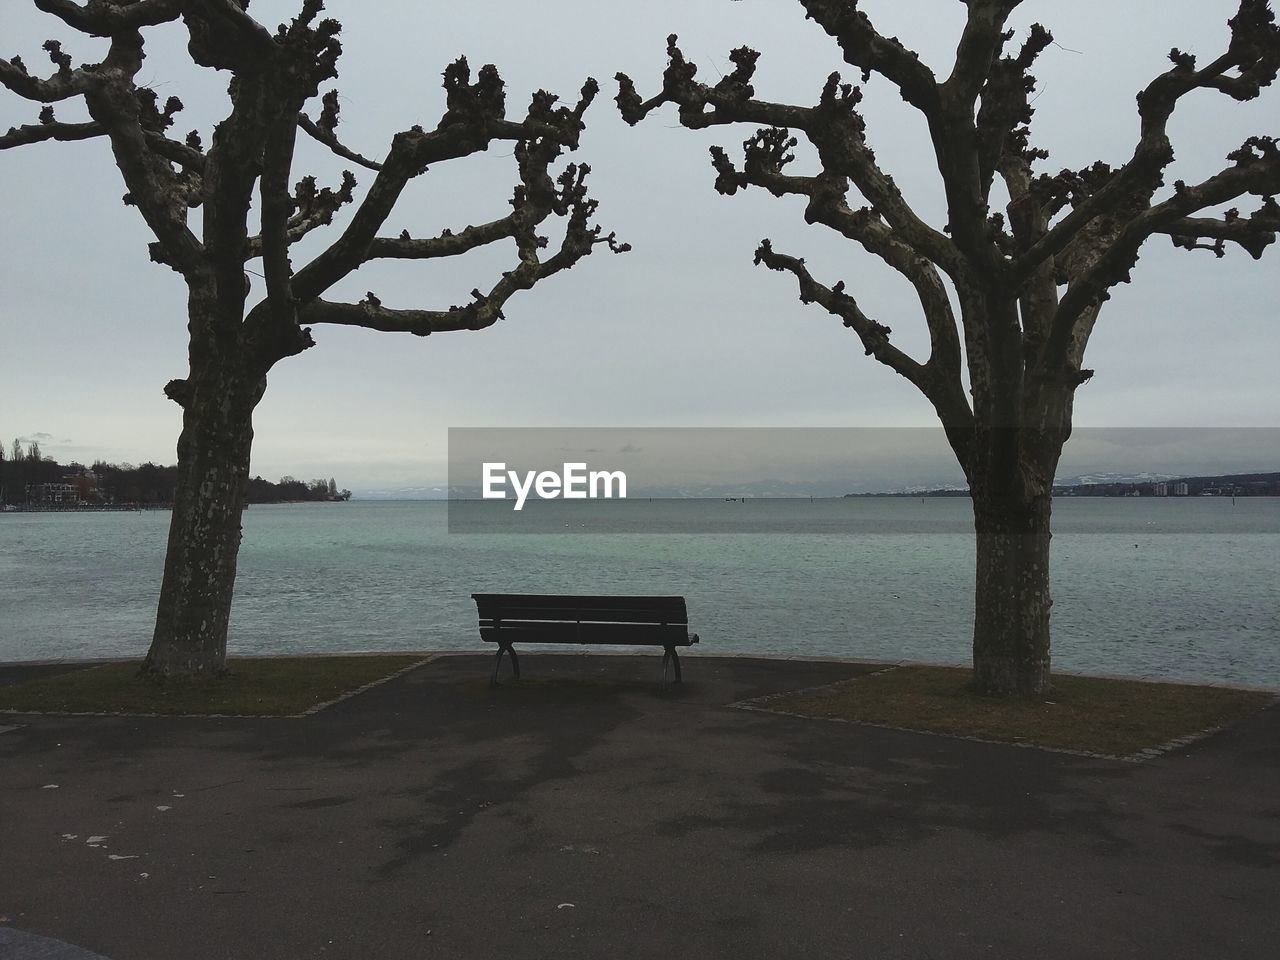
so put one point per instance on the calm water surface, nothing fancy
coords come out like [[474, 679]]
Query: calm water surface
[[1183, 588]]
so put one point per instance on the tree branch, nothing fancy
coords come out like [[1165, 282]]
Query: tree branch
[[225, 37], [833, 126], [325, 131], [133, 125], [63, 85], [370, 314], [1256, 170], [580, 238], [1253, 53], [874, 336], [173, 151], [980, 44], [474, 118], [273, 189], [312, 209], [1004, 117], [187, 155], [1253, 233], [52, 130], [767, 153], [447, 244], [485, 309], [963, 147], [865, 48], [327, 138], [104, 18], [1003, 136]]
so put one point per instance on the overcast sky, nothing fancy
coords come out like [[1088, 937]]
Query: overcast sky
[[682, 331]]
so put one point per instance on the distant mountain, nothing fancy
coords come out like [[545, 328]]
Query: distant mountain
[[1130, 485], [1100, 478], [1151, 485], [402, 493]]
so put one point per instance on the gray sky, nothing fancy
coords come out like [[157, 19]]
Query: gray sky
[[683, 331]]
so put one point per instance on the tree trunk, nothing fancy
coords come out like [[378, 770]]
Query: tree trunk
[[1012, 599], [190, 636]]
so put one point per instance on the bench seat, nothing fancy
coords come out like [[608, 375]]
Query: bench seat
[[509, 618]]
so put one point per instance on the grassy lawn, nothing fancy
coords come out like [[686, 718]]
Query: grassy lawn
[[1113, 717], [260, 686]]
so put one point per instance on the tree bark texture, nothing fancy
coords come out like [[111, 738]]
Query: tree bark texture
[[1012, 598], [190, 637]]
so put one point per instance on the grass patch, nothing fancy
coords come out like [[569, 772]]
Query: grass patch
[[253, 686], [1114, 717]]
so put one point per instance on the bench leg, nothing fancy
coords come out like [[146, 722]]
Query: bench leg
[[515, 663], [670, 666]]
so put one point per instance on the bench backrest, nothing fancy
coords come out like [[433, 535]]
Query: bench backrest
[[580, 609]]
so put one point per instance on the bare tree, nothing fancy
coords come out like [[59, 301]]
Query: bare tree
[[250, 159], [1029, 281]]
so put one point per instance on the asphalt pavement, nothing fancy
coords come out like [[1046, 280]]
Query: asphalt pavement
[[584, 813]]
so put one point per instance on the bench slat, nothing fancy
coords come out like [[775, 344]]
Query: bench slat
[[618, 634], [585, 615], [586, 608], [596, 600]]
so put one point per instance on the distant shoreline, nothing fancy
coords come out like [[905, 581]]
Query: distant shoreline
[[131, 507], [1228, 485]]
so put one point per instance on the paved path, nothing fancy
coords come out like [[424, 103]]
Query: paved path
[[435, 817], [16, 945]]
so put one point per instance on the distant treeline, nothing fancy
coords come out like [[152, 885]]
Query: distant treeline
[[30, 479]]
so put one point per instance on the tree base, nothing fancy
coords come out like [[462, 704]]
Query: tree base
[[996, 678]]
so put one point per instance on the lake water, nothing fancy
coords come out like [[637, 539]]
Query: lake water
[[1178, 588]]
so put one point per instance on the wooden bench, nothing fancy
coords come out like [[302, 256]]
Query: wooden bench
[[509, 618]]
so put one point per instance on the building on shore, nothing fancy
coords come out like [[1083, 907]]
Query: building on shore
[[72, 490]]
